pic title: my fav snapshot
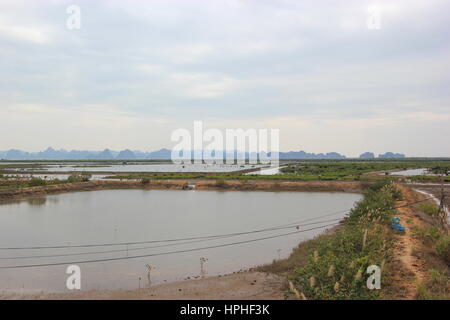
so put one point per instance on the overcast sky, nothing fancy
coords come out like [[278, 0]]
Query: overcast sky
[[137, 70]]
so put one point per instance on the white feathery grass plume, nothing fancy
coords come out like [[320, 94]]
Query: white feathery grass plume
[[336, 287], [315, 256], [312, 282], [364, 239], [358, 275], [331, 271], [297, 293]]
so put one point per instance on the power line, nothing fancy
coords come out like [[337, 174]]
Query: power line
[[191, 238], [152, 247], [161, 253], [169, 240]]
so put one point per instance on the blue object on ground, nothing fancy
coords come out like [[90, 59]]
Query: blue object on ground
[[395, 224]]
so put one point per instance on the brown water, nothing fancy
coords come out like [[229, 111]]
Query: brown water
[[117, 216]]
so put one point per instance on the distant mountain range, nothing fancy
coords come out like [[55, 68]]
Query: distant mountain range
[[52, 154]]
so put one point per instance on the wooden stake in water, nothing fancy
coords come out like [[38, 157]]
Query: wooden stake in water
[[149, 269], [202, 266]]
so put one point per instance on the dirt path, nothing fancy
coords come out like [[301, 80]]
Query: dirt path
[[180, 184], [412, 268], [238, 286]]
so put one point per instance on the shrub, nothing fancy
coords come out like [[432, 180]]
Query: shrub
[[341, 259], [436, 288], [430, 235], [145, 181], [429, 208], [79, 177], [220, 182], [377, 204], [35, 182], [337, 265], [443, 248]]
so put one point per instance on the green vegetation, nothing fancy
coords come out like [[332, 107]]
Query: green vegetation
[[36, 182], [429, 208], [220, 182], [334, 266], [79, 177], [436, 239], [15, 183], [429, 235], [356, 169], [428, 179], [437, 256], [296, 170], [30, 166], [325, 170], [436, 288], [443, 248]]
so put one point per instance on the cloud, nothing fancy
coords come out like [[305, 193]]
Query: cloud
[[165, 63]]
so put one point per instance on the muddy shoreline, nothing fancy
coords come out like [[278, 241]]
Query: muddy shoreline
[[229, 185]]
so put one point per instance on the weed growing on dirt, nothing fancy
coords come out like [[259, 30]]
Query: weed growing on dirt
[[429, 208]]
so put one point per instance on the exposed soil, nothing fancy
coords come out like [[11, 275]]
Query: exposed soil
[[410, 268], [229, 185], [237, 286]]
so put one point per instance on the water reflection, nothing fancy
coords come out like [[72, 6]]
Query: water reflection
[[118, 216], [36, 201]]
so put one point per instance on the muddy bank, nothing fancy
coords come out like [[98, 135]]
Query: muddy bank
[[305, 186], [237, 286]]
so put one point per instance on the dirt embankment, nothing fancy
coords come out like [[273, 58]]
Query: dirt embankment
[[326, 186], [410, 261]]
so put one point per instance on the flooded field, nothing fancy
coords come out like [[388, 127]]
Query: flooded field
[[266, 171], [412, 172], [172, 231], [139, 167]]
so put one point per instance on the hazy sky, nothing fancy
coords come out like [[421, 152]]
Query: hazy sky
[[137, 70]]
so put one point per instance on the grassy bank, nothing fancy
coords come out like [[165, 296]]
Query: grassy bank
[[334, 266]]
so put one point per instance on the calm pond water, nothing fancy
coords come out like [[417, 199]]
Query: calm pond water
[[266, 171], [118, 216], [412, 172]]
